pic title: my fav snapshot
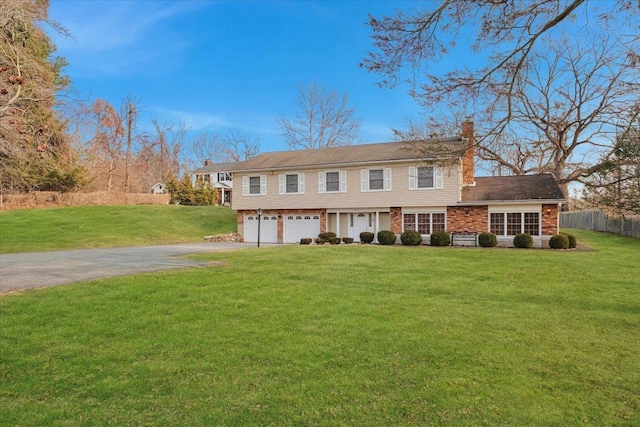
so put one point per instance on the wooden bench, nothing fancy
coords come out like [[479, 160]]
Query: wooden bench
[[467, 237]]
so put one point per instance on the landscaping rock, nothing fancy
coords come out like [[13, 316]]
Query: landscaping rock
[[230, 237]]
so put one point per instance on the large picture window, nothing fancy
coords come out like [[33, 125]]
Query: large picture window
[[424, 223], [512, 223]]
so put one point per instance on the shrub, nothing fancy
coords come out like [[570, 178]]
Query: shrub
[[335, 240], [327, 235], [347, 240], [411, 238], [487, 240], [367, 237], [572, 239], [386, 237], [440, 238], [305, 241], [320, 241], [559, 242], [522, 240]]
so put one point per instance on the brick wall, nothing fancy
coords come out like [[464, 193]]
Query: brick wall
[[396, 220], [468, 169], [467, 219], [550, 220]]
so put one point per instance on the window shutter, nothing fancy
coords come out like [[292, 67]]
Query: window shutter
[[301, 183], [413, 174], [281, 183], [263, 185], [437, 172], [321, 182], [364, 183], [343, 181], [245, 185], [387, 179]]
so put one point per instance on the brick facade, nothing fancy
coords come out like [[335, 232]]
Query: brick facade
[[550, 219], [395, 220], [467, 219], [468, 168]]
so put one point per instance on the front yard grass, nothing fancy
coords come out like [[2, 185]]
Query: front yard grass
[[336, 335]]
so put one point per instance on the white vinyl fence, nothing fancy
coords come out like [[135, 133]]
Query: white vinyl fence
[[598, 221]]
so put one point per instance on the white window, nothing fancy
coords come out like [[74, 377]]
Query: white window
[[292, 183], [254, 185], [332, 182], [425, 223], [425, 177], [375, 179], [224, 176], [512, 223]]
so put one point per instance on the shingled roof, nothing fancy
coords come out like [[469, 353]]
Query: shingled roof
[[513, 188], [354, 154], [215, 167]]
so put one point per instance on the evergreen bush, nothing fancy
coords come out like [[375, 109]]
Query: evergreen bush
[[411, 238], [440, 238], [487, 240], [559, 241], [347, 240], [386, 237], [522, 240], [367, 237], [305, 241]]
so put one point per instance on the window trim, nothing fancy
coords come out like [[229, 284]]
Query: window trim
[[282, 183], [437, 178], [246, 187], [365, 181], [417, 222], [342, 181], [505, 225]]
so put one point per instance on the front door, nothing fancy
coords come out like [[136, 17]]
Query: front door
[[359, 222]]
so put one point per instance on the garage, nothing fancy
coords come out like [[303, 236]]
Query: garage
[[268, 228], [297, 227]]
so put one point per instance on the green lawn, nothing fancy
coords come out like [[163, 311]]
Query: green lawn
[[109, 226], [347, 335]]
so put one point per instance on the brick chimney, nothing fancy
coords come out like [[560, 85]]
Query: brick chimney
[[468, 169], [207, 162]]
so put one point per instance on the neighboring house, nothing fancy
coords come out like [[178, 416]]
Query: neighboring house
[[159, 188], [390, 186], [220, 177]]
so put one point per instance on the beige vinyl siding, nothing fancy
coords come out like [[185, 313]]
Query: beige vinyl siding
[[354, 197]]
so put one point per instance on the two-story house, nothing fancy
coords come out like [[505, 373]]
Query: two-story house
[[426, 186], [220, 177]]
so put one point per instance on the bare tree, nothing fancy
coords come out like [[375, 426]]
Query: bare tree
[[322, 119], [106, 145], [232, 145], [553, 75]]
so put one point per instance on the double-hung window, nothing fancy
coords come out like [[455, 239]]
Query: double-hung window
[[332, 182], [376, 180], [254, 185], [512, 223], [424, 222], [425, 177], [291, 183]]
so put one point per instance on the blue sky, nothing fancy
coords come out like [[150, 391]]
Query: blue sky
[[221, 64]]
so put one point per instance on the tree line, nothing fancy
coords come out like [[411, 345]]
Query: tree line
[[555, 91]]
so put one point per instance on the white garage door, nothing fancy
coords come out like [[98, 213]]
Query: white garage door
[[268, 228], [297, 227]]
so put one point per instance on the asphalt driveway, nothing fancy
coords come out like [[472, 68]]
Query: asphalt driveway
[[41, 269]]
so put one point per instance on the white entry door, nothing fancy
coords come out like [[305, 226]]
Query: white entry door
[[297, 227], [268, 228], [359, 222]]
